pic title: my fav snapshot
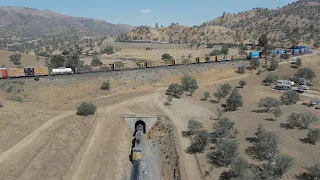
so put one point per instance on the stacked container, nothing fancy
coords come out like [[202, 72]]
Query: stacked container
[[296, 51], [254, 55]]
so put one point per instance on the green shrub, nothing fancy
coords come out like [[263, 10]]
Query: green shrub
[[313, 135], [271, 78], [37, 78], [96, 62], [209, 45], [166, 56], [16, 98], [86, 109], [148, 48], [105, 85], [268, 103], [175, 90], [206, 95], [189, 84], [301, 120], [284, 56], [290, 98], [224, 129], [274, 64], [107, 50], [226, 152], [198, 143], [242, 83], [234, 101], [254, 63], [241, 69]]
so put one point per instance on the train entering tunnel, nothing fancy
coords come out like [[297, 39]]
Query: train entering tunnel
[[140, 122], [146, 121]]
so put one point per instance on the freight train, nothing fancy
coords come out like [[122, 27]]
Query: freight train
[[44, 71], [294, 50], [137, 149]]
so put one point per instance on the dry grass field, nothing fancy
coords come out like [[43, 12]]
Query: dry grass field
[[43, 138]]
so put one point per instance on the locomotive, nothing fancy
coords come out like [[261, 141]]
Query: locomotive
[[137, 149]]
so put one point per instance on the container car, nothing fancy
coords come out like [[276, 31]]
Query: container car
[[296, 51], [288, 51], [254, 55], [281, 51]]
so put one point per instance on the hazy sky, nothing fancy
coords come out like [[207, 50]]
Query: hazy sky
[[147, 12]]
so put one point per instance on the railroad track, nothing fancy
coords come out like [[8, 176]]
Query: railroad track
[[212, 64], [178, 66], [135, 172]]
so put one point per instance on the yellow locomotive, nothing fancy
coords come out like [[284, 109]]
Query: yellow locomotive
[[137, 149]]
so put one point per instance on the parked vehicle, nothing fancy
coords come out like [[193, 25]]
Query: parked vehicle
[[284, 84], [303, 87]]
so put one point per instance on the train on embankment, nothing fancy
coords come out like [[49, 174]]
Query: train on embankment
[[44, 71]]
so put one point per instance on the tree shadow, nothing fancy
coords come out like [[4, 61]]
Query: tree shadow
[[224, 106], [259, 111], [226, 175], [252, 139], [214, 101], [294, 66], [270, 119], [306, 141], [304, 176], [285, 126]]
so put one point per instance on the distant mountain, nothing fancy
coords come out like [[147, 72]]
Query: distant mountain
[[291, 24], [28, 22]]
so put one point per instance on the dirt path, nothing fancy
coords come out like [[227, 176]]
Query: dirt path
[[189, 161], [35, 134], [88, 159]]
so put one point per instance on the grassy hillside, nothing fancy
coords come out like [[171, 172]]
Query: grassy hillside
[[298, 22]]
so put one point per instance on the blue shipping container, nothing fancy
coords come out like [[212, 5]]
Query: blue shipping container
[[281, 51], [296, 50], [302, 50], [254, 55]]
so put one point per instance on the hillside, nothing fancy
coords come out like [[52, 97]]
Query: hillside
[[28, 22], [176, 33], [293, 23]]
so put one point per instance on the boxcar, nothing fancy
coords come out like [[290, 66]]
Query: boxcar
[[118, 66], [41, 71], [16, 72], [3, 73], [89, 68]]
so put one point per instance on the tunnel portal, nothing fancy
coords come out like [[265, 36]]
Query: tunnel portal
[[146, 121]]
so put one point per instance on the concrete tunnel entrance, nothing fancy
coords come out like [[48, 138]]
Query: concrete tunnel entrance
[[146, 121], [142, 123]]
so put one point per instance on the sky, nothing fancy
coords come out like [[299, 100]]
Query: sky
[[147, 12]]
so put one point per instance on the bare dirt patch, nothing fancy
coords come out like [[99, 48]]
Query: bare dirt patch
[[162, 133]]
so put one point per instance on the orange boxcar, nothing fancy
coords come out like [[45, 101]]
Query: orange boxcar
[[3, 72], [41, 71], [15, 72]]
